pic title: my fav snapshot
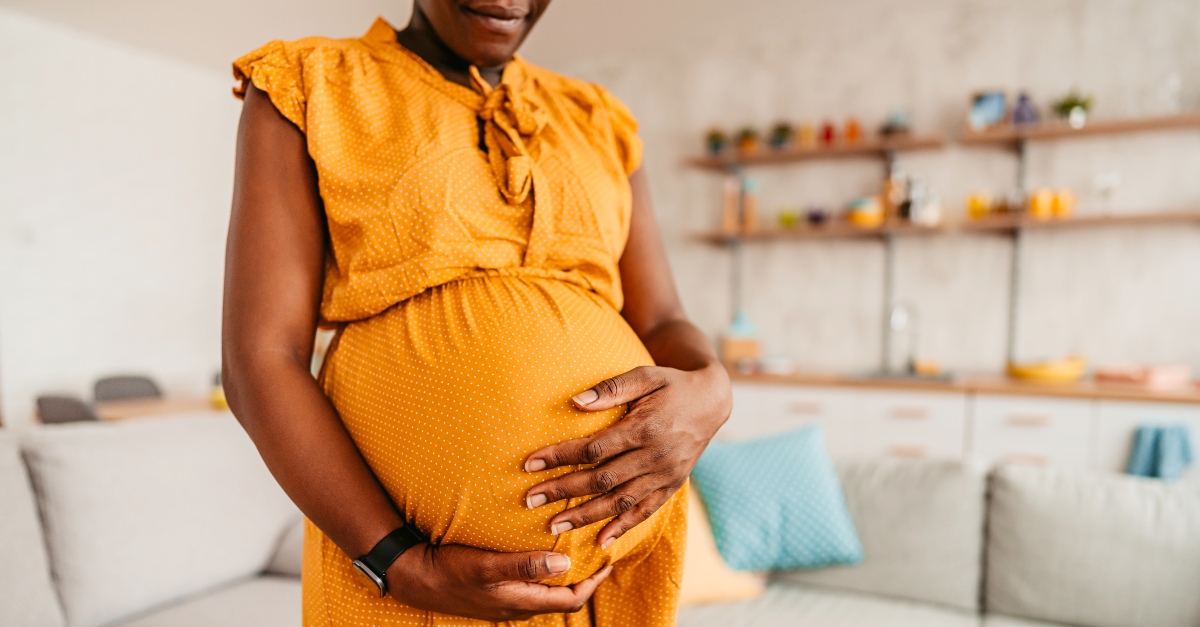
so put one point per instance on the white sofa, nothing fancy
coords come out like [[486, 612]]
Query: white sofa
[[175, 522], [171, 522]]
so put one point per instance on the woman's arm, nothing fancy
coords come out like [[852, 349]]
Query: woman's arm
[[274, 268], [675, 408]]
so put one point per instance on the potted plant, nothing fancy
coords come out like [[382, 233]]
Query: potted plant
[[1074, 107], [781, 135], [716, 140], [747, 140]]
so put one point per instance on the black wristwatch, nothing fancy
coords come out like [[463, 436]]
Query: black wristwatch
[[374, 565]]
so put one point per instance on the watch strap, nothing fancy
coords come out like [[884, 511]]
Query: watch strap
[[390, 548]]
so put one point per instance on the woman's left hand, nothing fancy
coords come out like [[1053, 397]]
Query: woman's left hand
[[643, 459]]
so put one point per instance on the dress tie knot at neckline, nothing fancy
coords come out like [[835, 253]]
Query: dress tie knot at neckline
[[511, 127]]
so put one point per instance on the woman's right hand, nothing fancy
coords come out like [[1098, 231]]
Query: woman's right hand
[[464, 581]]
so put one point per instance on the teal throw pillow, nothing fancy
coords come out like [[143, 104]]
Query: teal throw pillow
[[775, 503]]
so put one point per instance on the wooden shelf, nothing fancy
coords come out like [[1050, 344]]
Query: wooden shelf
[[1000, 224], [874, 147], [981, 384], [1014, 222], [1012, 135]]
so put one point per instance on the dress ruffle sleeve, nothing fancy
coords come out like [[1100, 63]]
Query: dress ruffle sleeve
[[278, 70], [625, 126]]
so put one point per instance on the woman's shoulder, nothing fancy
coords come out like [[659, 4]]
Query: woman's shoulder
[[289, 70], [298, 54]]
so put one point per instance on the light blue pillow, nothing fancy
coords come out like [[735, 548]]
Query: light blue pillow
[[776, 503]]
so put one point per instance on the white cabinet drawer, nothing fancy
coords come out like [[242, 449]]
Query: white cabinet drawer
[[1118, 420], [912, 424], [760, 410], [1028, 430]]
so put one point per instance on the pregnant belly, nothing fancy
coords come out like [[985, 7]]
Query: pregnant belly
[[447, 393]]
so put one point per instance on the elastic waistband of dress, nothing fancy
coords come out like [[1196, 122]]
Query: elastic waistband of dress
[[525, 273]]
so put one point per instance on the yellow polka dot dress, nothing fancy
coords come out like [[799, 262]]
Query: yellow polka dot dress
[[475, 238]]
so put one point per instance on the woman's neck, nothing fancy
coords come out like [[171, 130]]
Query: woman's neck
[[420, 37]]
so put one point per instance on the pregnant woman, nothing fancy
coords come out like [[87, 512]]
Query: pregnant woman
[[513, 398]]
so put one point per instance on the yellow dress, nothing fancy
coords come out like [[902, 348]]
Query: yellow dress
[[475, 238]]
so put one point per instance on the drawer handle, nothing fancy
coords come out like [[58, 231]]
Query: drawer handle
[[1029, 459], [808, 409], [910, 413], [912, 452], [1029, 420]]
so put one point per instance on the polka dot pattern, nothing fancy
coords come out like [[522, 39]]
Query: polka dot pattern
[[776, 503], [475, 290]]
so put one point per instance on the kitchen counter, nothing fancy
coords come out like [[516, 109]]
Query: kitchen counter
[[981, 384]]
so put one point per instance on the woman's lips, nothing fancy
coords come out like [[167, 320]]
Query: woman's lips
[[496, 22]]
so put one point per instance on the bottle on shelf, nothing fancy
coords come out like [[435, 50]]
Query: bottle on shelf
[[730, 206], [828, 133], [894, 194], [750, 221], [853, 132], [740, 347], [807, 136]]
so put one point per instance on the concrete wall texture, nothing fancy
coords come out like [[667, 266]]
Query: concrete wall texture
[[116, 161]]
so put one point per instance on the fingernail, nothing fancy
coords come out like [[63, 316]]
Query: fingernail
[[557, 563], [607, 543], [586, 397], [535, 500], [558, 528], [535, 465]]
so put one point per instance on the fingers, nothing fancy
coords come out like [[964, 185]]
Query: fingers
[[598, 447], [621, 500], [534, 598], [621, 389], [531, 566], [631, 518], [599, 480]]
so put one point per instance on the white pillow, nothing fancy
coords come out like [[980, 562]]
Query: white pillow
[[26, 592], [1092, 549], [921, 526], [147, 511]]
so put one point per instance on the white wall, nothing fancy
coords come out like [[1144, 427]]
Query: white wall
[[115, 177], [683, 65]]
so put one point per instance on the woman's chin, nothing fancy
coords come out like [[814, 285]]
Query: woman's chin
[[490, 54]]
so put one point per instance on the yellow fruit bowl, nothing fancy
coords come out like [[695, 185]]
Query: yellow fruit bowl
[[1068, 370]]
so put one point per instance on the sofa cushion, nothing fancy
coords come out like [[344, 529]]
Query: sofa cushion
[[258, 602], [921, 525], [1095, 550], [775, 503], [144, 512], [786, 605], [26, 592], [706, 576]]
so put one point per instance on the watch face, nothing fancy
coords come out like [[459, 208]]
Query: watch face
[[371, 577]]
